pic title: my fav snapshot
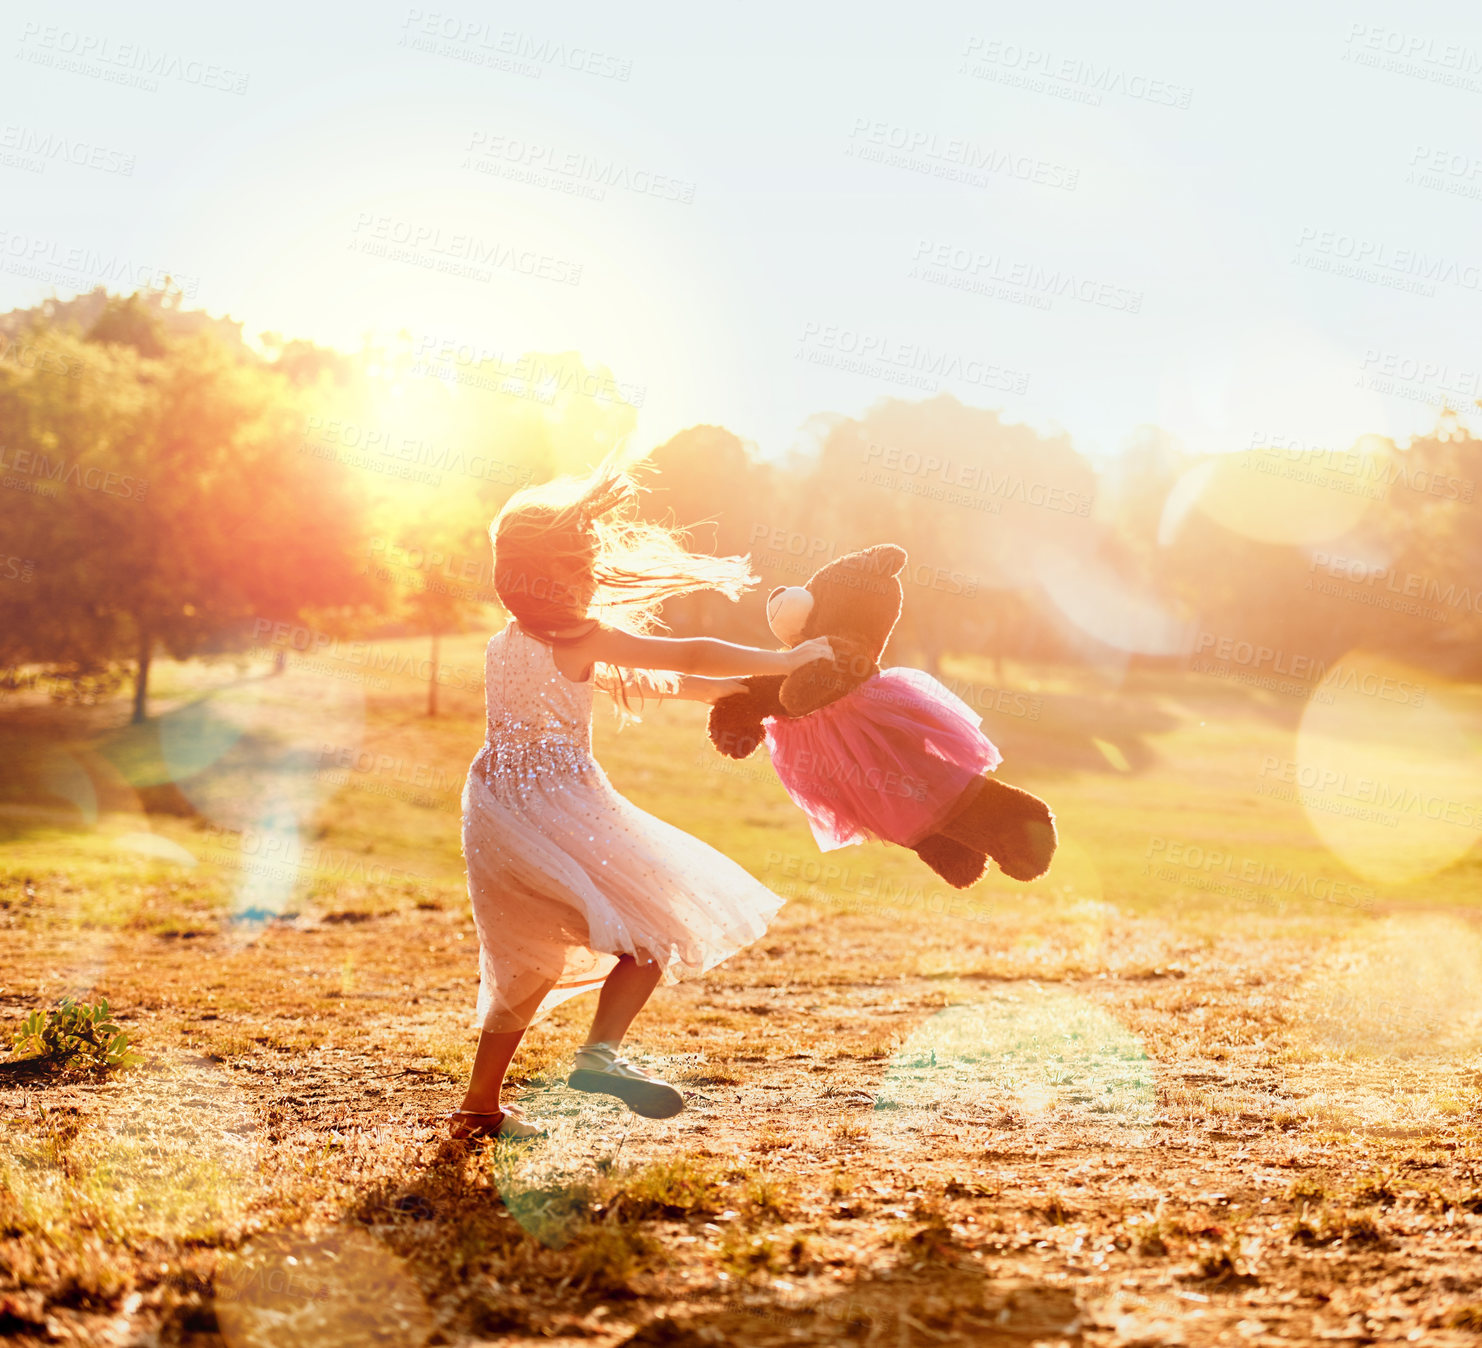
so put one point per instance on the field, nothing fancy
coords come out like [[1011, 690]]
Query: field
[[1216, 1079]]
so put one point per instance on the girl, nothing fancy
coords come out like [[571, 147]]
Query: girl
[[572, 886]]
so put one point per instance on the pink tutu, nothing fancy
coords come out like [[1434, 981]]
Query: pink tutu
[[888, 761]]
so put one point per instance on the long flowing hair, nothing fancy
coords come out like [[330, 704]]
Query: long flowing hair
[[574, 549]]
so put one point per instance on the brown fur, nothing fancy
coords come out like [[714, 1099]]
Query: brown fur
[[857, 601]]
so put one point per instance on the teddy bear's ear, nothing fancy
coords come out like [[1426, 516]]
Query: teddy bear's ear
[[884, 559]]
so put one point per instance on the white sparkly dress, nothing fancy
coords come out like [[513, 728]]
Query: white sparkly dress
[[564, 874]]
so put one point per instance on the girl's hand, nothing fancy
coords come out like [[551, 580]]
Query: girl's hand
[[694, 688], [805, 653]]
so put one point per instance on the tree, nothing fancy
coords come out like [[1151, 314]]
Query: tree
[[72, 417], [438, 602], [306, 363], [1429, 532], [181, 508], [982, 506], [128, 321], [705, 479], [1397, 575]]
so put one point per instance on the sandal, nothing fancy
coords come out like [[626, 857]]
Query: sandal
[[509, 1123]]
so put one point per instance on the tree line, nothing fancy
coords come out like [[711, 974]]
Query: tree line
[[165, 485]]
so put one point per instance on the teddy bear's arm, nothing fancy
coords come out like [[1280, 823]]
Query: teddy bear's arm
[[735, 723], [824, 681]]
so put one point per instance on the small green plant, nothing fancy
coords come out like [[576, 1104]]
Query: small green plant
[[1376, 1189], [1471, 1201], [605, 1255], [1307, 1189], [1057, 1211], [1362, 1229], [1218, 1265], [674, 1188], [766, 1200], [1152, 1236], [754, 1256], [72, 1030], [1330, 1228], [1150, 1242], [1303, 1232], [841, 1183]]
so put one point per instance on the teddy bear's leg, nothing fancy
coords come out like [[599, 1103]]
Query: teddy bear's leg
[[955, 862], [1012, 826]]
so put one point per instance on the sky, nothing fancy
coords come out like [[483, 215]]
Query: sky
[[1257, 224]]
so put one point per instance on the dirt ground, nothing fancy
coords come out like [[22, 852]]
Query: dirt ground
[[1089, 1128]]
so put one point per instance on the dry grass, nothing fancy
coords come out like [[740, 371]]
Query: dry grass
[[1092, 1119], [303, 1125]]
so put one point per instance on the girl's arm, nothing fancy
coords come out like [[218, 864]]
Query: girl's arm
[[698, 655], [695, 688], [692, 688]]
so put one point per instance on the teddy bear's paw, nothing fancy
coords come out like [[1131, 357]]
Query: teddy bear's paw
[[1030, 856], [735, 731], [736, 743], [955, 862]]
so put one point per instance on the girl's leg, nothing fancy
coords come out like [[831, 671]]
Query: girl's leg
[[624, 993], [490, 1063], [598, 1066], [496, 1048]]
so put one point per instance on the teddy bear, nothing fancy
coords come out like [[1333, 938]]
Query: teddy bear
[[885, 754]]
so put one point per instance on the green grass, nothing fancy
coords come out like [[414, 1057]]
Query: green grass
[[1148, 779]]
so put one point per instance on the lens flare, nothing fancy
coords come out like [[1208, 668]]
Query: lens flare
[[1388, 765], [1280, 494], [271, 872], [1391, 1021], [1182, 499], [174, 1156], [546, 1183], [340, 1289], [102, 824], [250, 758], [1402, 986], [257, 746], [154, 846], [61, 775], [1286, 425], [1115, 611], [1047, 1053]]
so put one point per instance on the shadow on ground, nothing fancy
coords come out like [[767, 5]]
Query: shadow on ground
[[931, 1306]]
